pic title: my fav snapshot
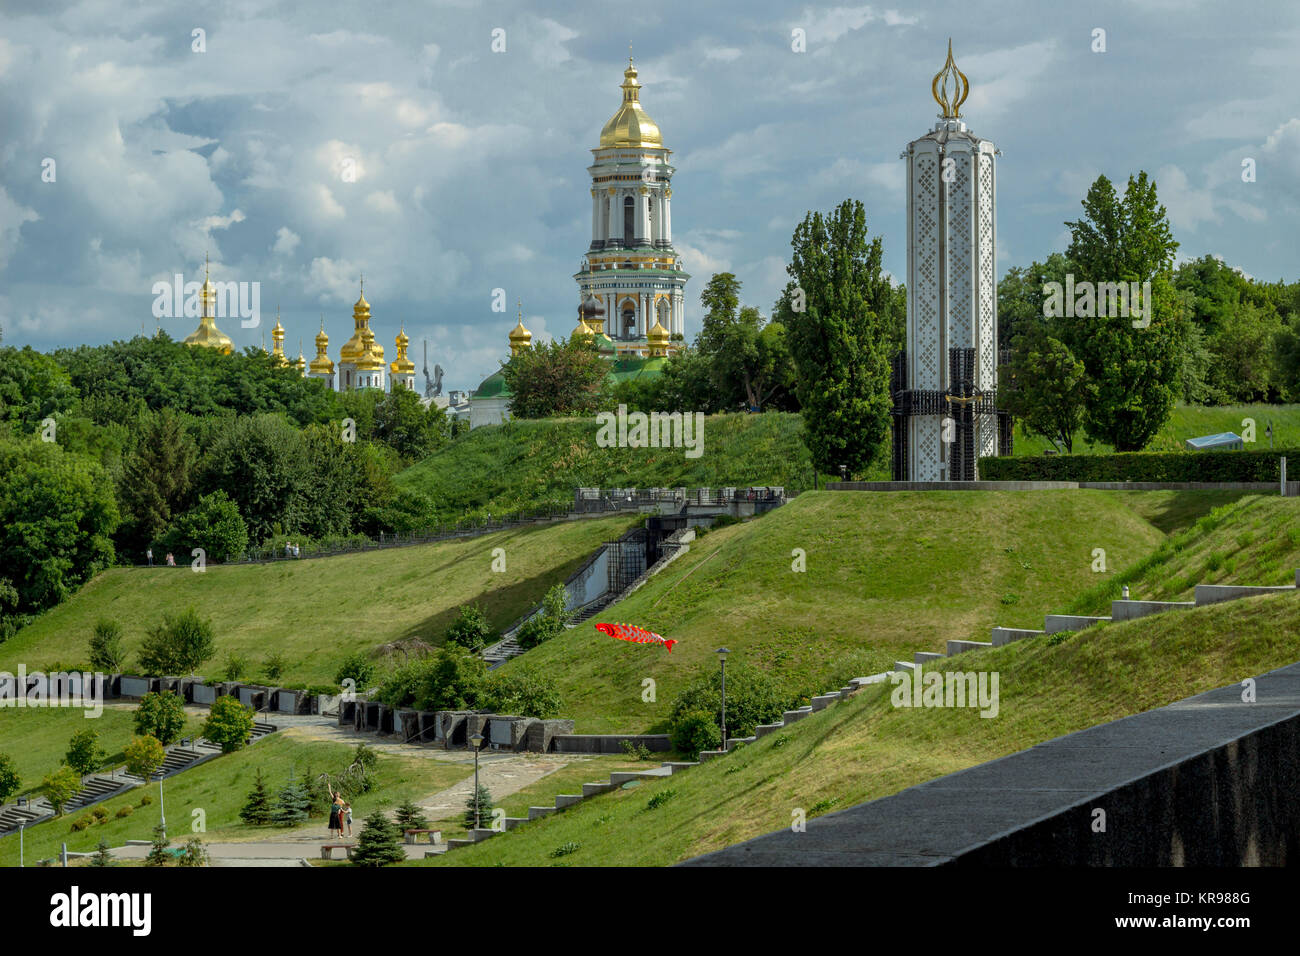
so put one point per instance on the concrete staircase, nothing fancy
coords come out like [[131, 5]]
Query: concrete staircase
[[1119, 611]]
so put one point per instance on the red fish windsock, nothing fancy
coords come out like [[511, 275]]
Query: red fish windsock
[[637, 635]]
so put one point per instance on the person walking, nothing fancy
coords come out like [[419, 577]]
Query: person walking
[[149, 554], [171, 561], [347, 818], [336, 815]]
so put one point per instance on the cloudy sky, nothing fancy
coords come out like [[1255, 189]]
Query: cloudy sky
[[470, 164]]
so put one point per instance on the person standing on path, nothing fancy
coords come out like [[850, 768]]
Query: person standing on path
[[347, 818], [149, 554], [171, 561], [336, 815]]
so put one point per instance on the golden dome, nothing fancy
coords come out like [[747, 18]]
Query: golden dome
[[301, 362], [520, 337], [322, 364], [402, 365], [657, 338], [277, 336], [371, 357], [353, 348], [207, 334], [630, 126]]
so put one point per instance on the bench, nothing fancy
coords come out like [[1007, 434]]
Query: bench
[[327, 850], [413, 836]]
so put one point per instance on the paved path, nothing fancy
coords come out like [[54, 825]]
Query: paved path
[[269, 853]]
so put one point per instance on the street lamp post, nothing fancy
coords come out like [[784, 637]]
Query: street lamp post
[[722, 659], [477, 740]]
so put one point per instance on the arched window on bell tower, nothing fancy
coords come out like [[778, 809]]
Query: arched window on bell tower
[[629, 222]]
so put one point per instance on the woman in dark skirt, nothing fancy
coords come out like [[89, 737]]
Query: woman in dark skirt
[[336, 815]]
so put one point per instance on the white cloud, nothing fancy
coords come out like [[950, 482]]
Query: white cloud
[[12, 217], [286, 241]]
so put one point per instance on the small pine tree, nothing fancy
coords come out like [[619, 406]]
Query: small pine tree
[[380, 842], [484, 808], [195, 854], [257, 811], [158, 855], [410, 817], [102, 857], [291, 804]]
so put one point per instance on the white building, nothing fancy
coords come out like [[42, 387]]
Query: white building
[[945, 383]]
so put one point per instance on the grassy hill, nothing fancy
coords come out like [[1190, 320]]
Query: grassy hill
[[865, 748], [522, 464], [887, 575], [1252, 540], [315, 612]]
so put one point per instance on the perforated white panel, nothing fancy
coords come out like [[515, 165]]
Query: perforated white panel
[[924, 327], [987, 291], [959, 253]]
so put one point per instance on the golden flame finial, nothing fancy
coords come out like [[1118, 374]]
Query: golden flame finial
[[939, 87]]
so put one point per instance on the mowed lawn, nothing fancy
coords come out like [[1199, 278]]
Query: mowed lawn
[[865, 748], [219, 788], [315, 611], [886, 574], [36, 739]]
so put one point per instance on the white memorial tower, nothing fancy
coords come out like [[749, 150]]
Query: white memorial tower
[[945, 383]]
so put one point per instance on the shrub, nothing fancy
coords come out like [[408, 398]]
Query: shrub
[[145, 800], [10, 782], [123, 812], [452, 679], [694, 731], [179, 645], [82, 823], [229, 724], [274, 666], [235, 668], [470, 629], [106, 651], [753, 697], [195, 853], [214, 524], [60, 787], [660, 798], [161, 715], [536, 630], [1169, 466], [564, 849], [100, 813], [144, 755], [357, 668], [521, 692]]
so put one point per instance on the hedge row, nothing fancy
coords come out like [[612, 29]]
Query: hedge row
[[1168, 466]]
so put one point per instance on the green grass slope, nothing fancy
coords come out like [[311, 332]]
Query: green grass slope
[[887, 574], [865, 748], [315, 612], [523, 464], [1191, 421], [1254, 540]]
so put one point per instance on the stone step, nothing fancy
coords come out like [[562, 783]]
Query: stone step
[[901, 666], [961, 647], [790, 716], [710, 754], [457, 844], [1056, 623], [536, 813], [479, 834], [735, 742], [676, 766], [512, 822], [563, 800], [1002, 636], [924, 657], [822, 701], [1131, 610], [762, 730], [1217, 593], [591, 789]]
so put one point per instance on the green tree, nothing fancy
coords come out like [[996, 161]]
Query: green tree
[[261, 462], [180, 644], [162, 716], [257, 809], [9, 779], [1045, 387], [213, 524], [33, 387], [157, 479], [753, 698], [158, 855], [693, 731], [102, 855], [84, 755], [1133, 373], [410, 817], [356, 667], [484, 808], [749, 361], [291, 804], [380, 842], [57, 515], [470, 629], [549, 623], [842, 331], [229, 724], [144, 755], [60, 787], [107, 653], [194, 853], [560, 378], [521, 691], [404, 424]]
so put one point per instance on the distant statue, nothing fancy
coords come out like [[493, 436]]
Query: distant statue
[[432, 386]]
